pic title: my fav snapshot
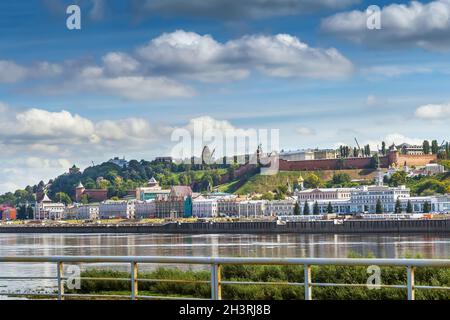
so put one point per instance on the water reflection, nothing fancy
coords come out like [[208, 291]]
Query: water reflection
[[281, 245]]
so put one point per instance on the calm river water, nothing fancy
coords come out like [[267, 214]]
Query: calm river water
[[239, 245]]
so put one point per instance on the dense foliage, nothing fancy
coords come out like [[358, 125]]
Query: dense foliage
[[284, 274], [119, 180]]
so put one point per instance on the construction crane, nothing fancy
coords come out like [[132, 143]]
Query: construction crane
[[359, 148]]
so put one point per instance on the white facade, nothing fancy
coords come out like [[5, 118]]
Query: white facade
[[280, 207], [324, 194], [117, 210], [47, 210], [298, 155], [205, 208], [364, 200], [434, 168], [251, 208], [82, 212]]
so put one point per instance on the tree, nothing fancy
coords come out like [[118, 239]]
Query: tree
[[296, 209], [63, 198], [84, 199], [267, 196], [375, 161], [316, 209], [329, 208], [306, 209], [398, 178], [383, 148], [426, 147], [341, 179], [426, 207], [379, 207], [312, 181], [398, 206], [367, 150], [409, 207], [434, 147]]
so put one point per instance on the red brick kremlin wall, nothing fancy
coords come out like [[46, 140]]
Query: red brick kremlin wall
[[391, 159]]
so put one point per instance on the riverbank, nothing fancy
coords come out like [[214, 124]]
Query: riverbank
[[195, 284], [247, 227]]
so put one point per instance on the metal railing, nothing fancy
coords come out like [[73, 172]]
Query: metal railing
[[215, 265]]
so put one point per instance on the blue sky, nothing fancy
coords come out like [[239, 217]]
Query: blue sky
[[139, 69]]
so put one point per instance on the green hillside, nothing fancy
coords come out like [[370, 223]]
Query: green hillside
[[262, 183]]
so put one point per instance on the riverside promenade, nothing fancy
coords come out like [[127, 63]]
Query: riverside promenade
[[262, 227]]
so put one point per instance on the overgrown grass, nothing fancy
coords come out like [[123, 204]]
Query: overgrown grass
[[282, 274]]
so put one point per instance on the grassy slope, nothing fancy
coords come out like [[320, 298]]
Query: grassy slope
[[260, 184]]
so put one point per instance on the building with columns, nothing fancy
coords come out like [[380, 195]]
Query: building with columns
[[48, 210]]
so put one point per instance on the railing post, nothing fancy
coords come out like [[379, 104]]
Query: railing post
[[308, 287], [59, 276], [410, 283], [134, 281], [216, 289]]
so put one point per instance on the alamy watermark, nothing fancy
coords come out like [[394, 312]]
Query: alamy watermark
[[204, 146], [73, 21], [373, 21], [73, 281], [374, 280]]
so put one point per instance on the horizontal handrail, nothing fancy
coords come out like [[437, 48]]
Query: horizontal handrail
[[232, 261], [215, 264]]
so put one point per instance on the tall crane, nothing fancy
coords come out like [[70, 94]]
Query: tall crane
[[359, 148]]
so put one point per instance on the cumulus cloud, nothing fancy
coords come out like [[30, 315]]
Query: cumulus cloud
[[236, 9], [135, 87], [433, 112], [47, 132], [165, 67], [203, 58], [425, 25], [11, 72]]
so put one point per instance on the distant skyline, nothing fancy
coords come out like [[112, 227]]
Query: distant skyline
[[139, 69]]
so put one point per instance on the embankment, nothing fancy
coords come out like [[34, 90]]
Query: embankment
[[350, 226]]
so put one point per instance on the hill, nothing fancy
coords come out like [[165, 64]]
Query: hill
[[261, 183]]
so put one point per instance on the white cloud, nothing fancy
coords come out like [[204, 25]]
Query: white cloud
[[237, 9], [35, 162], [203, 58], [414, 24], [395, 70], [11, 72], [304, 131], [120, 63], [42, 131], [109, 79], [433, 112], [393, 138]]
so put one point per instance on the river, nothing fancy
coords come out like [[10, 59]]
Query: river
[[235, 245]]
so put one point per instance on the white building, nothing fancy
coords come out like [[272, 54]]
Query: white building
[[298, 155], [47, 210], [280, 207], [205, 208], [251, 208], [117, 210], [324, 194], [119, 162], [434, 168], [82, 212], [364, 200]]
